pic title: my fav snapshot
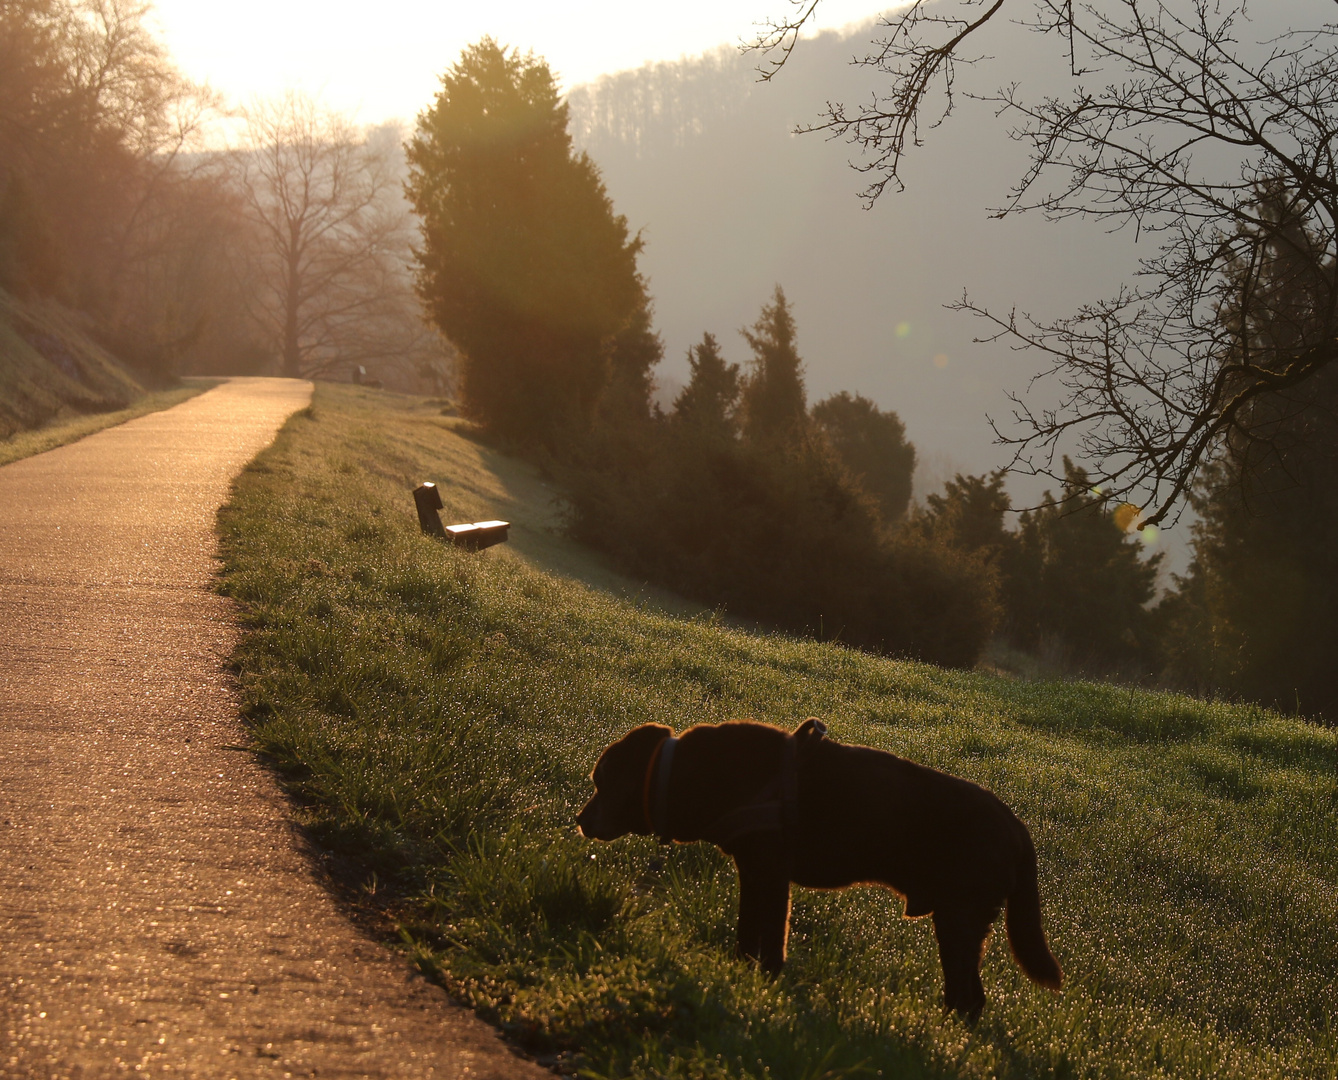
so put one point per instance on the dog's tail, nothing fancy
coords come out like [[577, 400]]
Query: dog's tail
[[1023, 920]]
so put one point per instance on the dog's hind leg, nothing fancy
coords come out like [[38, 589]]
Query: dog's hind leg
[[764, 909], [961, 934]]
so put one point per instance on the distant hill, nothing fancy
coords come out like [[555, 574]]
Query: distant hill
[[701, 156], [50, 369]]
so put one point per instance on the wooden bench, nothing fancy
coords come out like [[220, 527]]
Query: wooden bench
[[472, 535]]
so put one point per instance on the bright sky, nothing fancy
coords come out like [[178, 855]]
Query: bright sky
[[383, 61]]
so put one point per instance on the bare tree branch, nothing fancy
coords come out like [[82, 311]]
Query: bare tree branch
[[1203, 126], [331, 264]]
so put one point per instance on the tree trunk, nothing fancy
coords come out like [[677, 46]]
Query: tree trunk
[[292, 352]]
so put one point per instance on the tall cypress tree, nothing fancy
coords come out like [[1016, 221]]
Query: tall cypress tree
[[775, 405], [524, 265], [708, 403]]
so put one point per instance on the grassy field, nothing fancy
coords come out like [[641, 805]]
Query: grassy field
[[436, 714], [71, 428]]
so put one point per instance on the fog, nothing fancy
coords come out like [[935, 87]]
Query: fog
[[701, 156]]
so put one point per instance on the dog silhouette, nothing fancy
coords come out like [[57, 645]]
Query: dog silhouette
[[799, 807]]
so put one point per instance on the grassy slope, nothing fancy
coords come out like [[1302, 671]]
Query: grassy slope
[[436, 713], [50, 371], [27, 443], [69, 387]]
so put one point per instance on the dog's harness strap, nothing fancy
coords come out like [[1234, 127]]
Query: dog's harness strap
[[776, 808], [754, 818], [789, 783]]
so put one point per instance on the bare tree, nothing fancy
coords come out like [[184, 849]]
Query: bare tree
[[1183, 119], [93, 115], [333, 239]]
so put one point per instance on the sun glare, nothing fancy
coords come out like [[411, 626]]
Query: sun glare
[[386, 65]]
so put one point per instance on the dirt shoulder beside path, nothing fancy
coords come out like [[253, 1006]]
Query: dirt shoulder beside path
[[156, 914]]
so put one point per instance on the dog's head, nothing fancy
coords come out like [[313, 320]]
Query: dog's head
[[618, 807]]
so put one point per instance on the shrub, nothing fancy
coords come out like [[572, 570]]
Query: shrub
[[782, 534]]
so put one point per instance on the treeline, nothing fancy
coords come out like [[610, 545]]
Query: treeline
[[286, 251], [744, 495]]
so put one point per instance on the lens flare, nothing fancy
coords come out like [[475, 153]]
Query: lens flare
[[903, 329], [941, 360], [1149, 533], [1126, 516]]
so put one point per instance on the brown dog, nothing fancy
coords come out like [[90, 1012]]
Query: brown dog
[[802, 808]]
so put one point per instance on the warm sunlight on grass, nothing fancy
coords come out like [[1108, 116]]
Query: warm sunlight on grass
[[436, 714]]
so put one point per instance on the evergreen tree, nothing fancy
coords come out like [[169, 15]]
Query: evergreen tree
[[969, 515], [773, 526], [1257, 613], [524, 265], [633, 353], [774, 403], [707, 405], [1093, 586], [872, 444]]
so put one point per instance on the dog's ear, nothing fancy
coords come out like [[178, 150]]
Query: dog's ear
[[812, 728], [637, 742]]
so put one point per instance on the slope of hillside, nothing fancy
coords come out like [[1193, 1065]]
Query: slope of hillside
[[436, 715], [50, 369], [703, 157]]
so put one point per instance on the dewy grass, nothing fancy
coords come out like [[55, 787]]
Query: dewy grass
[[436, 714], [70, 429]]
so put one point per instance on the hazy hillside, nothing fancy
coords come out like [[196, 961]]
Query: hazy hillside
[[701, 155], [49, 368]]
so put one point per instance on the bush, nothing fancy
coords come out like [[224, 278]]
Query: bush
[[785, 535]]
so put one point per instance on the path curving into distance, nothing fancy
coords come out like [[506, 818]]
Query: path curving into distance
[[157, 915]]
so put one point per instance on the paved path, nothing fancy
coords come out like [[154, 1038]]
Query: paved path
[[156, 914]]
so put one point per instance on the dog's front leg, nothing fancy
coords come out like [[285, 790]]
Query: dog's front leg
[[764, 907]]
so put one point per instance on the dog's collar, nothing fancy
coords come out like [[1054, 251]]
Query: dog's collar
[[655, 790]]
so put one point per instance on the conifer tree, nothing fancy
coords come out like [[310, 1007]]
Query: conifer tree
[[707, 404], [969, 514], [633, 353], [872, 444], [775, 405], [1257, 613], [1094, 585], [524, 265]]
